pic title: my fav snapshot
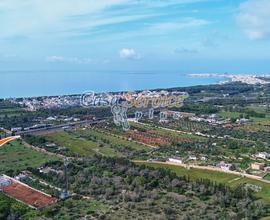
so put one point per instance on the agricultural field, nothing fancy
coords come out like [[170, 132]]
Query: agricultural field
[[14, 156], [167, 133], [230, 180], [79, 146], [226, 114], [88, 142], [109, 138], [11, 112]]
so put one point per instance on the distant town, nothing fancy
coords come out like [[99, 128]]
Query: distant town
[[248, 79]]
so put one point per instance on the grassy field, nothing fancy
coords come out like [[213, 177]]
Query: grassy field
[[110, 138], [229, 114], [79, 145], [89, 142], [15, 156], [218, 177]]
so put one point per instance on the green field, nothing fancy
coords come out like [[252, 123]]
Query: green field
[[218, 177], [229, 114], [90, 142], [79, 145], [236, 115], [110, 138], [15, 156]]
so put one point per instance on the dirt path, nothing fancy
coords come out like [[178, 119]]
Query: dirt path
[[42, 150]]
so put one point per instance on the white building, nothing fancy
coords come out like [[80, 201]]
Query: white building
[[16, 129], [175, 160], [203, 158], [263, 155], [192, 157], [225, 166]]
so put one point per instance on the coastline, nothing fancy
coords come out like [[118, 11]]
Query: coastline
[[248, 79], [37, 84]]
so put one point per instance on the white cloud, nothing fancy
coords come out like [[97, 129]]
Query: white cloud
[[185, 23], [35, 16], [129, 53], [75, 60], [253, 18]]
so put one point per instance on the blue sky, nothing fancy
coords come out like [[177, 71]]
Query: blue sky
[[136, 35]]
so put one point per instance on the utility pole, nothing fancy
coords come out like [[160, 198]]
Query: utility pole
[[65, 193]]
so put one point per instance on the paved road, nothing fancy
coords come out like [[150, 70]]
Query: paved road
[[59, 127]]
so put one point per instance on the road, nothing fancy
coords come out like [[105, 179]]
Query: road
[[60, 127]]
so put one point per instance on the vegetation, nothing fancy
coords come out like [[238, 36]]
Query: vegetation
[[132, 191], [104, 183], [15, 157], [230, 180]]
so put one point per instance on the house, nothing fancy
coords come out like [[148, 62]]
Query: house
[[242, 121], [51, 145], [47, 170], [192, 157], [20, 177], [225, 166], [203, 158], [257, 166], [51, 118], [15, 129], [175, 160], [263, 155], [267, 169]]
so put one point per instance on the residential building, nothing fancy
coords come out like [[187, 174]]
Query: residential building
[[263, 155], [175, 160], [257, 166]]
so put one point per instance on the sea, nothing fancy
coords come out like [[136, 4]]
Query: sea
[[16, 84]]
